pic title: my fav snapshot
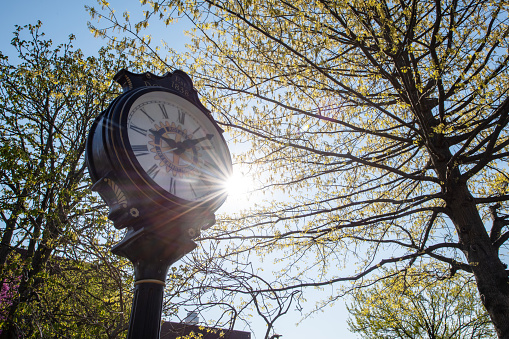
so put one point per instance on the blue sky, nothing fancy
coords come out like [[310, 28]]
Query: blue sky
[[63, 17]]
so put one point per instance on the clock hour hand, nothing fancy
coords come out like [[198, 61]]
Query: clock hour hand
[[172, 143], [190, 143]]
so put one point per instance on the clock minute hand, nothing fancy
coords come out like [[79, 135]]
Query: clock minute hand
[[189, 143]]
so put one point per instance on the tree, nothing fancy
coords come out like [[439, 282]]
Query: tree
[[413, 306], [383, 123], [82, 299], [52, 227]]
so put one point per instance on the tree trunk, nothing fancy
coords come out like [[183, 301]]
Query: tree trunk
[[482, 255]]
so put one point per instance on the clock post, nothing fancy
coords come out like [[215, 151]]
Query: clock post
[[159, 160], [152, 250]]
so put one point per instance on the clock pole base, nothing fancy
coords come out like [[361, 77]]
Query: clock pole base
[[152, 250]]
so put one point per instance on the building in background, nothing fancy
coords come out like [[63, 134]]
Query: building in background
[[172, 330]]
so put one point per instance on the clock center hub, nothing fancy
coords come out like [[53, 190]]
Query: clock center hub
[[166, 141]]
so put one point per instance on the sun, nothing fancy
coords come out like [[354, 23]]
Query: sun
[[239, 187], [236, 185]]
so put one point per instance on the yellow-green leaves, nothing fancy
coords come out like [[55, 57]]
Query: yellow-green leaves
[[366, 121], [414, 305], [53, 229]]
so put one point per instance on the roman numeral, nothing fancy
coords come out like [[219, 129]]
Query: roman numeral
[[148, 116], [140, 150], [163, 109], [173, 187], [152, 172], [139, 130], [182, 117], [192, 190], [196, 130]]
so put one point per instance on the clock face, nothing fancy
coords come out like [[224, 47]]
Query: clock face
[[177, 146]]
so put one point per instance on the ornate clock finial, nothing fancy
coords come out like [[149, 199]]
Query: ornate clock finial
[[177, 81]]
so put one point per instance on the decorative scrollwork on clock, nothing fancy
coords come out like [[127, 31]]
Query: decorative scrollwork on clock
[[121, 198]]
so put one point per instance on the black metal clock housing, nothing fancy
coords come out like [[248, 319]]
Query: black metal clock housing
[[156, 152]]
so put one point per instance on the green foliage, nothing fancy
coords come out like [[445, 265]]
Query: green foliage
[[81, 300], [419, 306], [53, 229]]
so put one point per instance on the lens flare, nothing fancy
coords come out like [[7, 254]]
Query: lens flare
[[236, 186]]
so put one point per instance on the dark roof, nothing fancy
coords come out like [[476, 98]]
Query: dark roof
[[171, 330]]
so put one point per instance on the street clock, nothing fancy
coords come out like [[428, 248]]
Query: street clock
[[156, 152]]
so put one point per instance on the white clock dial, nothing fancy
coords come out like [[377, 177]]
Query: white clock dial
[[177, 146]]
